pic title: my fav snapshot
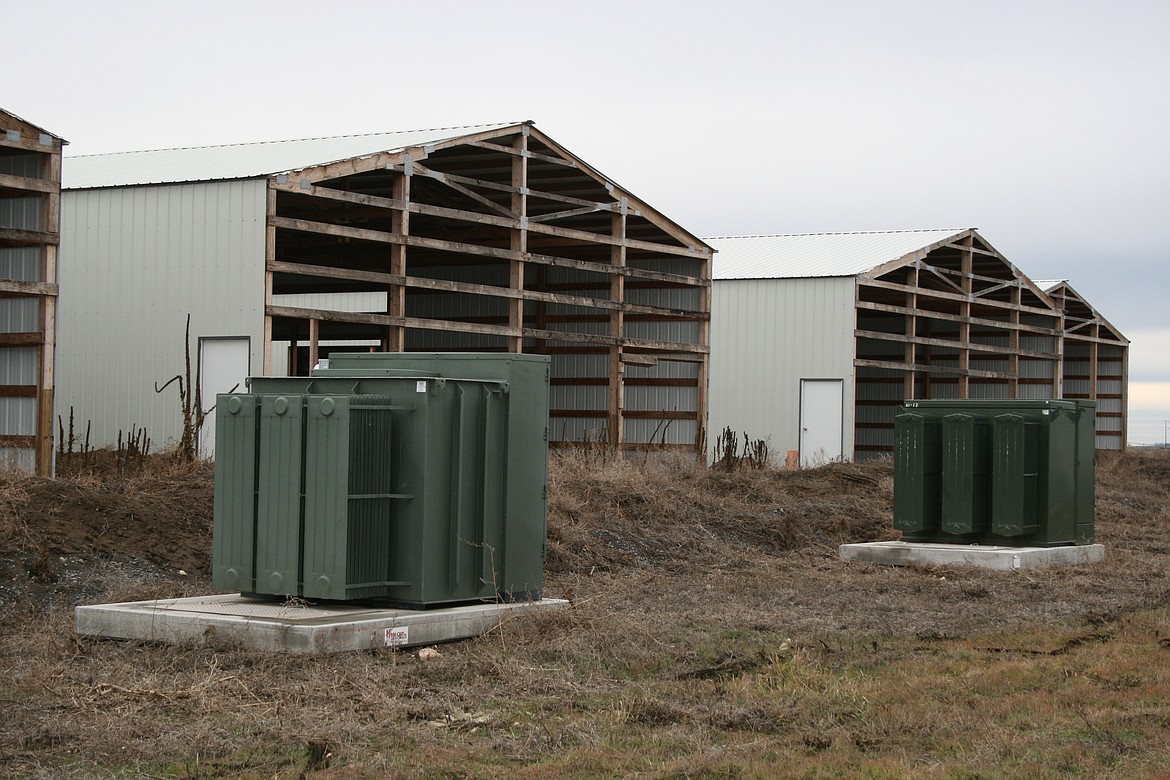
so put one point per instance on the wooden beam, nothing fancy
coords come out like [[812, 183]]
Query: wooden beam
[[425, 283], [366, 318], [467, 191], [518, 238], [939, 294], [30, 184], [1006, 326], [28, 288], [21, 339], [396, 291], [523, 153], [929, 369], [17, 236]]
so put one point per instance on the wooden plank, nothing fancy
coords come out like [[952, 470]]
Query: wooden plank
[[523, 153], [468, 288], [269, 258], [518, 239], [18, 442], [17, 236], [396, 293], [340, 231], [26, 183], [28, 288], [600, 238], [929, 369], [940, 295], [18, 391], [592, 209], [927, 314], [467, 191], [21, 339]]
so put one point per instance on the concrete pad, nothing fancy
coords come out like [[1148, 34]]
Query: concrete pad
[[983, 556], [292, 627]]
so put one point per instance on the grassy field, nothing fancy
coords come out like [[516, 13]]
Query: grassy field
[[713, 633]]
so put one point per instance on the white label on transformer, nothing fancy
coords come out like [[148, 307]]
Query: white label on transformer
[[420, 386], [397, 636]]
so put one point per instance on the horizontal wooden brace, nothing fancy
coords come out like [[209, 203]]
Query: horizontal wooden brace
[[27, 288], [21, 339], [939, 294], [931, 369], [18, 236], [381, 236], [476, 289], [973, 346], [25, 183], [456, 326], [935, 315], [18, 441], [18, 391], [523, 153]]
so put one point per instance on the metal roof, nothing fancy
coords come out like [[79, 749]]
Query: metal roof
[[817, 254], [242, 161], [1047, 285]]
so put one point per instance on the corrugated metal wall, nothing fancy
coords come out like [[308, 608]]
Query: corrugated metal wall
[[768, 334], [133, 262]]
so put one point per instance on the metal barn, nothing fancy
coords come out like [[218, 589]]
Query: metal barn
[[30, 191], [817, 338], [485, 238]]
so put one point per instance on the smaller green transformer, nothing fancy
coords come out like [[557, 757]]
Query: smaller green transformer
[[418, 479], [1015, 473]]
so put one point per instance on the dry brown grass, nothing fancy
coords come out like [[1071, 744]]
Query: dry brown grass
[[713, 633]]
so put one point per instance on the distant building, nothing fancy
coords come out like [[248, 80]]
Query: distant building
[[816, 339], [30, 192], [487, 238]]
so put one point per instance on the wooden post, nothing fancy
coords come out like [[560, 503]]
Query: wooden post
[[518, 240], [396, 293], [269, 259], [314, 339], [965, 325], [617, 293]]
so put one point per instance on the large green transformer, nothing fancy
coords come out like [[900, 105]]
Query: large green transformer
[[1015, 473], [418, 479]]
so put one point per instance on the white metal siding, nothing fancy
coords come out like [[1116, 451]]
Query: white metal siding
[[767, 335], [133, 263]]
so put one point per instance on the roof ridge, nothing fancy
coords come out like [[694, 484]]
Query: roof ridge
[[294, 140], [841, 233]]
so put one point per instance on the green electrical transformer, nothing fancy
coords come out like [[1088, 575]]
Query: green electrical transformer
[[418, 479], [1014, 473]]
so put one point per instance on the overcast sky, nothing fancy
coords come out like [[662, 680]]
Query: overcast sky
[[1043, 123]]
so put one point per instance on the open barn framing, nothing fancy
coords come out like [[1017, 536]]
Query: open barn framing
[[30, 192], [877, 318], [488, 238]]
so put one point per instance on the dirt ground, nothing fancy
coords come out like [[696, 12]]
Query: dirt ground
[[760, 544], [663, 562]]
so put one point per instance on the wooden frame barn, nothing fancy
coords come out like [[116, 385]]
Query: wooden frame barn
[[817, 339], [30, 191], [485, 238]]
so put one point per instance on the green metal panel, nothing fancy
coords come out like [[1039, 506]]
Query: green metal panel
[[964, 474], [423, 476], [235, 493], [917, 507], [1015, 477], [1016, 472], [326, 530], [278, 507]]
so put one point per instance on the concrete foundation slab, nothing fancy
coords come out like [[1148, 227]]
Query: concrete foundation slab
[[983, 556], [292, 627]]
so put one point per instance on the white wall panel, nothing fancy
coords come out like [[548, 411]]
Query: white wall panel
[[134, 261], [768, 334]]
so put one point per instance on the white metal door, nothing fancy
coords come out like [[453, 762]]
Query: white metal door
[[224, 364], [821, 424]]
